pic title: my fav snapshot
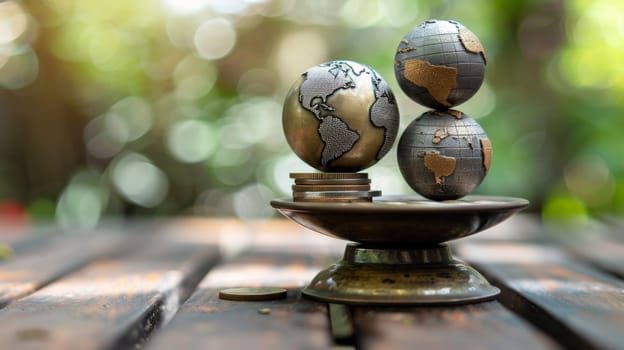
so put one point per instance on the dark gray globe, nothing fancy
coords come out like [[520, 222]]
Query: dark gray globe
[[440, 64], [444, 154]]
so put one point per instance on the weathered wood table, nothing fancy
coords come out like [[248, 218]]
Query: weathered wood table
[[156, 284]]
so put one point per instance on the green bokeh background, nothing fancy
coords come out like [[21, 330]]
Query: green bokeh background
[[173, 107]]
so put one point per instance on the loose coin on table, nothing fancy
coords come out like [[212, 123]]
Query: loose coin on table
[[252, 293]]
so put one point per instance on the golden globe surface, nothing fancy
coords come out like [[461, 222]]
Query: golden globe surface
[[340, 116]]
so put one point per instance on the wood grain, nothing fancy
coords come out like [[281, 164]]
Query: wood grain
[[35, 263], [520, 227], [207, 322], [579, 306], [605, 254], [110, 303], [132, 290], [481, 326], [598, 244]]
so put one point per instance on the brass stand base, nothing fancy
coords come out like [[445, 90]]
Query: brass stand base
[[370, 275], [401, 258]]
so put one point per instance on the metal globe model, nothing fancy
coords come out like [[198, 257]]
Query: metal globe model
[[444, 154], [340, 116], [440, 64]]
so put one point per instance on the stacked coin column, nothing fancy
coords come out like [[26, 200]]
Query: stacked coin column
[[443, 154]]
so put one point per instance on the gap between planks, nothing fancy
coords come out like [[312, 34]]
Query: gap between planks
[[115, 301], [579, 306], [35, 265], [207, 322]]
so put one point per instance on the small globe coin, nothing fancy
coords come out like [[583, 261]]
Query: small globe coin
[[440, 64], [444, 155], [252, 293], [340, 116]]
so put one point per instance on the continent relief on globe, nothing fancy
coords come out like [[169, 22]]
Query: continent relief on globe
[[442, 166], [471, 42], [486, 149], [438, 80], [444, 154], [330, 133]]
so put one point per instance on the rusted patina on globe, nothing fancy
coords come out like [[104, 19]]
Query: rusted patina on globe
[[444, 155], [340, 116], [440, 64]]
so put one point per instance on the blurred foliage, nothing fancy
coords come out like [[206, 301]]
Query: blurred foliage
[[174, 106]]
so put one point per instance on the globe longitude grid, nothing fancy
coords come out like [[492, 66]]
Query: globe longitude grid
[[451, 54], [470, 70], [456, 144], [446, 49], [436, 44], [434, 50], [438, 27], [474, 151]]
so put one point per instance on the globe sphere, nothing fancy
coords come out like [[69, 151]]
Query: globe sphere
[[444, 154], [340, 116], [440, 64]]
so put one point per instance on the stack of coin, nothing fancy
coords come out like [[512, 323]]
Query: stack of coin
[[332, 187]]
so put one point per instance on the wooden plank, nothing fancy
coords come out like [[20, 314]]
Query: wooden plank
[[236, 236], [29, 239], [603, 253], [207, 322], [597, 243], [24, 244], [20, 245], [577, 305], [36, 263], [480, 326], [520, 227], [110, 303]]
